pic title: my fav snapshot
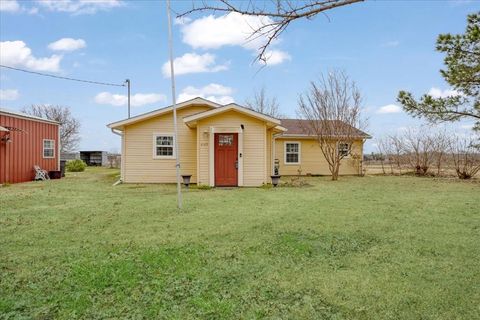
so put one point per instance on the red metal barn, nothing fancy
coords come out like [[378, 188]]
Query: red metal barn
[[26, 141]]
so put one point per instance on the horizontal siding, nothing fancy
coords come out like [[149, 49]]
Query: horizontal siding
[[253, 146], [141, 167], [312, 160]]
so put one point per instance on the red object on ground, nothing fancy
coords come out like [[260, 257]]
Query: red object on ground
[[26, 141]]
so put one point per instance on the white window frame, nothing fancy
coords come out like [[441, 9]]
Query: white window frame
[[348, 147], [285, 152], [160, 134], [52, 148]]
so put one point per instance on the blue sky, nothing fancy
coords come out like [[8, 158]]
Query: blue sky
[[385, 46]]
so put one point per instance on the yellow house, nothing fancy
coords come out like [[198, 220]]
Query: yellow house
[[221, 145]]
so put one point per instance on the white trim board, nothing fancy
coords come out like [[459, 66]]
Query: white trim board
[[285, 153]]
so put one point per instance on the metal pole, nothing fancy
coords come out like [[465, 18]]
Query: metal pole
[[128, 88], [174, 105]]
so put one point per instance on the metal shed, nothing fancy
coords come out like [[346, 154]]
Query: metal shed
[[26, 141], [94, 158]]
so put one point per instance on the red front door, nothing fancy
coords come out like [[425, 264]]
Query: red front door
[[226, 161]]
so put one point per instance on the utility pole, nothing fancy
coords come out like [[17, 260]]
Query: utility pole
[[174, 105], [128, 88]]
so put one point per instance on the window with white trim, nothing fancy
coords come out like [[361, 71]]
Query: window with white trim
[[48, 148], [292, 152], [343, 149], [163, 146]]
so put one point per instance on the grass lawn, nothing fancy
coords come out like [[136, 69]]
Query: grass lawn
[[360, 248]]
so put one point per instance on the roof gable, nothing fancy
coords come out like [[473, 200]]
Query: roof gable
[[158, 112], [192, 119]]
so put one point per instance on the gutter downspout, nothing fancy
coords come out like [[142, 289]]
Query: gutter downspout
[[361, 173], [273, 151], [119, 133]]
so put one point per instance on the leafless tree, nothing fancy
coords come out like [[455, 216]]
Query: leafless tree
[[441, 145], [466, 157], [397, 147], [69, 126], [278, 15], [261, 103], [382, 147], [419, 146], [332, 109]]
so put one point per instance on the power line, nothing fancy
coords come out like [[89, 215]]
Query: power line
[[65, 78]]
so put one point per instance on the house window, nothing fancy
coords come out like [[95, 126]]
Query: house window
[[292, 152], [343, 149], [163, 146], [48, 148], [225, 139]]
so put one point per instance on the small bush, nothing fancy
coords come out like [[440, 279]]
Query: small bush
[[76, 165], [203, 187], [295, 182]]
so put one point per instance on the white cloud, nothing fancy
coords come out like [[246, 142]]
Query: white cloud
[[438, 93], [136, 100], [17, 54], [33, 10], [77, 7], [467, 126], [9, 6], [394, 43], [232, 29], [181, 21], [13, 6], [67, 44], [9, 94], [214, 92], [193, 63], [389, 108], [276, 57]]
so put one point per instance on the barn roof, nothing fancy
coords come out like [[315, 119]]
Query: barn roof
[[19, 114]]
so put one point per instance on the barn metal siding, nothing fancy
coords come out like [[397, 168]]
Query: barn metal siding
[[25, 150]]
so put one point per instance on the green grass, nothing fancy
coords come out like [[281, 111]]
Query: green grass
[[360, 248]]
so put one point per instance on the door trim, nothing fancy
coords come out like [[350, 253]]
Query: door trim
[[211, 152]]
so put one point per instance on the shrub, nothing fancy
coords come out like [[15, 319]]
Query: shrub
[[203, 187], [76, 165]]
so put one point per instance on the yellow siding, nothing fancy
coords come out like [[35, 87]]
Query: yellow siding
[[141, 167], [254, 155], [312, 160]]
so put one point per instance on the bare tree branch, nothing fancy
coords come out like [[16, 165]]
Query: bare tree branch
[[332, 108], [69, 126], [261, 103], [278, 17]]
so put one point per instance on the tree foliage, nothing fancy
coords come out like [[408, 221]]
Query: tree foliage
[[69, 126], [462, 73]]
